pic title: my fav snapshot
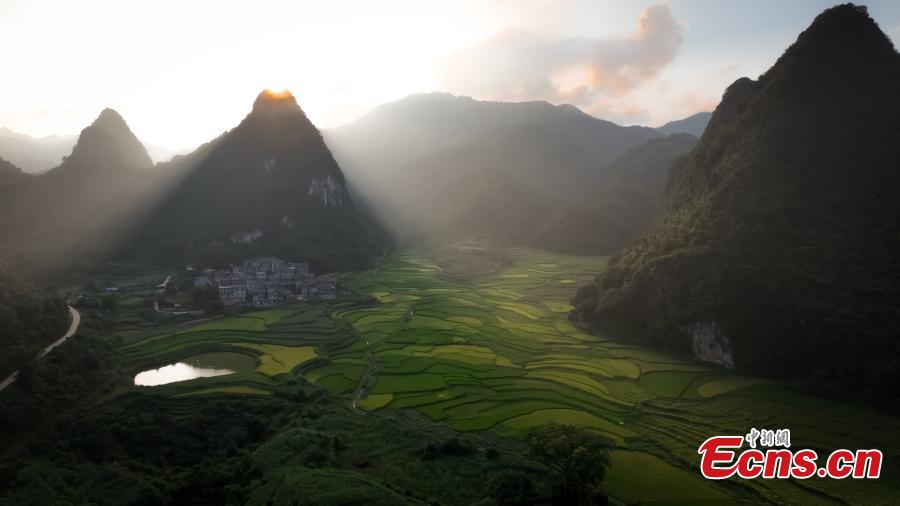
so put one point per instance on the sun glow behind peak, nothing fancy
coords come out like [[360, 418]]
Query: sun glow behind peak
[[277, 93]]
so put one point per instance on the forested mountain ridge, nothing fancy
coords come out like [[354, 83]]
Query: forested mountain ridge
[[622, 203], [552, 148], [268, 186], [694, 124], [775, 251], [10, 174], [77, 209], [439, 167]]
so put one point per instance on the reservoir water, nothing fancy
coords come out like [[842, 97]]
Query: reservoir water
[[199, 366]]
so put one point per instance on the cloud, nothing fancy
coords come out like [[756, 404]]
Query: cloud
[[521, 65]]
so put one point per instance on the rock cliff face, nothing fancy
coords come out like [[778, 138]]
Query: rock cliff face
[[709, 344], [778, 240], [330, 191]]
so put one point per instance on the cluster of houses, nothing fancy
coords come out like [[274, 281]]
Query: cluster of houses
[[268, 281]]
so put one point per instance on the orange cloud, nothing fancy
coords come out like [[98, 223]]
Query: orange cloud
[[521, 65]]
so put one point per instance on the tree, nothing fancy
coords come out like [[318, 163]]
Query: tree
[[185, 285], [577, 458], [110, 302], [215, 307], [512, 488]]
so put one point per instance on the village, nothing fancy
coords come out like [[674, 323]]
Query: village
[[268, 281], [257, 282]]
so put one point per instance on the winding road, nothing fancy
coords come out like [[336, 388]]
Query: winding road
[[73, 328]]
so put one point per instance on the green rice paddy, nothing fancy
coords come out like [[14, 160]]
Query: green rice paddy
[[496, 352], [277, 359], [276, 341]]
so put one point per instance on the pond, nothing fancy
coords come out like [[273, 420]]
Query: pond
[[199, 366]]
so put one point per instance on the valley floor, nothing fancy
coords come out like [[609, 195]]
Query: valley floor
[[493, 350]]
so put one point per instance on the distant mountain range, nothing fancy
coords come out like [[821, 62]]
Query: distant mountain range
[[36, 155], [434, 167], [269, 186], [40, 154], [442, 167], [694, 124], [551, 148], [777, 248], [620, 205]]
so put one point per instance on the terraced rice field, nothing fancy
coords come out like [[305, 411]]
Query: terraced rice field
[[279, 340], [496, 352]]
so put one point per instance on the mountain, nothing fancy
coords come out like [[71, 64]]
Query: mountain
[[622, 203], [776, 251], [33, 154], [108, 145], [460, 202], [694, 124], [162, 154], [269, 186], [545, 146], [458, 151], [78, 208], [10, 174]]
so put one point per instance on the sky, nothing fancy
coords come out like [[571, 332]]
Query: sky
[[183, 71]]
